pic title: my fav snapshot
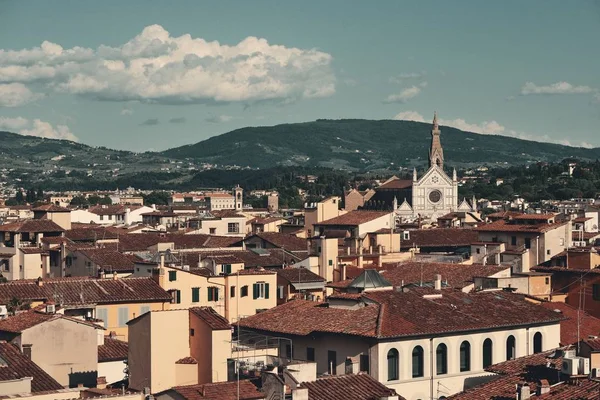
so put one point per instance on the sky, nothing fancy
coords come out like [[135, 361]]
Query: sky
[[150, 75]]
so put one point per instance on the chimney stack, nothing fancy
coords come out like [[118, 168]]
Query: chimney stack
[[115, 276], [523, 391], [438, 282], [40, 282], [543, 387]]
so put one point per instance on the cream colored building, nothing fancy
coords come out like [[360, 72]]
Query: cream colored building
[[315, 213]]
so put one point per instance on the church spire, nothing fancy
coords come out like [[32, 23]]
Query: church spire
[[436, 154]]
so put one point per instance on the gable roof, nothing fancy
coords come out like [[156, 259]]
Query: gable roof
[[212, 318], [219, 391], [109, 260], [507, 226], [348, 387], [112, 350], [353, 218], [440, 237], [19, 366], [396, 183], [588, 324], [51, 208], [284, 240], [299, 275], [141, 241], [24, 320], [32, 225], [390, 313], [83, 291]]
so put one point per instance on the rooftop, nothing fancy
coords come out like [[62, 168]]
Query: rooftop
[[507, 226], [354, 218], [299, 275], [32, 225], [347, 387], [112, 350], [588, 324], [220, 391], [24, 320], [440, 237], [109, 260], [212, 318]]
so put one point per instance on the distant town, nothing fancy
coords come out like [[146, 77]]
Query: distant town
[[412, 286]]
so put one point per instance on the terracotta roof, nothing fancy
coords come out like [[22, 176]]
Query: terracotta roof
[[116, 209], [227, 214], [141, 241], [390, 313], [33, 250], [84, 290], [51, 208], [27, 319], [537, 217], [582, 219], [159, 214], [284, 240], [271, 258], [109, 260], [456, 275], [353, 218], [396, 184], [266, 220], [32, 225], [503, 214], [91, 233], [213, 319], [588, 324], [507, 226], [578, 235], [220, 391], [299, 275], [440, 237], [186, 360], [347, 387], [594, 343], [112, 350], [54, 240], [19, 366]]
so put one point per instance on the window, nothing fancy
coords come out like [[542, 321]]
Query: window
[[547, 281], [596, 291], [233, 227], [191, 331], [393, 365], [417, 362], [123, 316], [172, 276], [27, 350], [513, 240], [288, 351], [102, 314], [331, 361], [226, 268], [310, 354], [212, 231], [244, 291], [364, 363], [330, 262], [102, 218], [465, 356], [260, 290], [527, 243], [195, 295], [537, 342], [487, 353], [232, 291], [441, 359], [213, 293], [175, 296], [511, 348], [548, 252], [144, 309], [478, 250], [280, 292]]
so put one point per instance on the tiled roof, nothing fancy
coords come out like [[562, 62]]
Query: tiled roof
[[54, 240], [79, 233], [19, 366], [27, 319], [141, 241], [51, 208], [273, 257], [440, 237], [396, 184], [347, 387], [593, 343], [390, 313], [220, 391], [503, 214], [299, 275], [531, 217], [588, 324], [109, 260], [81, 291], [213, 319], [353, 218], [186, 360], [506, 226], [112, 350], [456, 275], [32, 225], [284, 241], [160, 214], [116, 209], [227, 214]]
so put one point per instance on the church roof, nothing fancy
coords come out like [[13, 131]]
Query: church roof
[[397, 184]]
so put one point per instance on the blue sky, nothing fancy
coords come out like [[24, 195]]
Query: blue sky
[[143, 75]]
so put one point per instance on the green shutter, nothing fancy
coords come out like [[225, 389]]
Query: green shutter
[[195, 295], [227, 268], [210, 294], [266, 290], [255, 291], [178, 296], [217, 294], [172, 276]]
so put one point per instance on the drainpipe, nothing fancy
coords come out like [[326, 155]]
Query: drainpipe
[[431, 368]]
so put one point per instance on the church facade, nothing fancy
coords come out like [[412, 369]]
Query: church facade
[[428, 197]]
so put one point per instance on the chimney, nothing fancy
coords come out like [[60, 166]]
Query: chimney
[[162, 260], [543, 387], [40, 282], [115, 276], [438, 282], [300, 394], [101, 382], [523, 391]]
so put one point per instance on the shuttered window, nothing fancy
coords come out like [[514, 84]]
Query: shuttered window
[[123, 316], [195, 295], [102, 313]]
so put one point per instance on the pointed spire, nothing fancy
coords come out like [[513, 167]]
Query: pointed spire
[[474, 203], [454, 178], [414, 175], [435, 120], [395, 205]]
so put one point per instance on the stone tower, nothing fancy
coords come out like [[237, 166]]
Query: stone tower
[[436, 154], [238, 194]]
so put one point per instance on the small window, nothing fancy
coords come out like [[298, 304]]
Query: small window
[[487, 353], [478, 250], [123, 316], [596, 291], [330, 263], [441, 359], [513, 240], [465, 356], [260, 290], [212, 231], [331, 362], [232, 291], [537, 343], [144, 309], [393, 365], [280, 291], [547, 280], [191, 331], [226, 269], [417, 362], [175, 296], [27, 350], [195, 295], [364, 363], [244, 291], [213, 293], [511, 348], [548, 252], [527, 243], [310, 354], [172, 276]]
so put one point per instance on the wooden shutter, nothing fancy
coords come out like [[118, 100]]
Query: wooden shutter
[[266, 290]]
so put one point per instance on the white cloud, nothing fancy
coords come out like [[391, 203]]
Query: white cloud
[[126, 111], [486, 128], [37, 127], [157, 67], [217, 119], [404, 95], [16, 94], [531, 88], [400, 78]]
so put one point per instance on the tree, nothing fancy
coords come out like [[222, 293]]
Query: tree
[[15, 304], [40, 195], [19, 197], [79, 201]]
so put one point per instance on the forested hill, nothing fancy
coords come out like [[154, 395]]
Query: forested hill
[[366, 145]]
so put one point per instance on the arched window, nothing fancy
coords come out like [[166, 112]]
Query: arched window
[[441, 359], [537, 342], [465, 356], [393, 365], [417, 362], [487, 353], [511, 348]]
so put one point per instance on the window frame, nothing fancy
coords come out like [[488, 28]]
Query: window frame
[[393, 365], [465, 356], [418, 368]]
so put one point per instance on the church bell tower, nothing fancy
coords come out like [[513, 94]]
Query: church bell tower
[[436, 153]]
